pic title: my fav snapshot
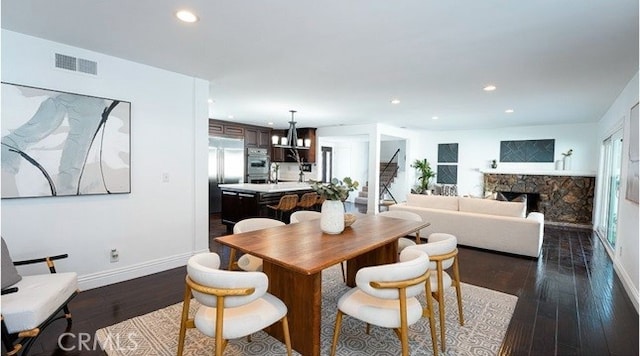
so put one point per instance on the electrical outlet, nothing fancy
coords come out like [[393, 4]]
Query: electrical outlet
[[114, 255]]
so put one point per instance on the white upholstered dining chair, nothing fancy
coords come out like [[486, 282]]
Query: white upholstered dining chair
[[404, 242], [304, 215], [234, 304], [443, 253], [386, 296], [249, 262]]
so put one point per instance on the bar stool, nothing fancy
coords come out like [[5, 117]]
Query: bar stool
[[286, 204], [308, 201]]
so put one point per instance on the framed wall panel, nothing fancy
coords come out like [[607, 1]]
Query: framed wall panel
[[447, 174], [63, 144], [527, 151], [448, 153]]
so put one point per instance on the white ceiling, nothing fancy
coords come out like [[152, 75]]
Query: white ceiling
[[341, 62]]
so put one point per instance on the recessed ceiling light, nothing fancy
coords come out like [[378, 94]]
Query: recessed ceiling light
[[489, 88], [395, 101], [434, 118], [509, 111], [230, 117], [187, 16], [270, 123], [210, 101]]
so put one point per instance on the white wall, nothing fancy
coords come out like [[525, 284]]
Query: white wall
[[156, 227], [476, 149], [625, 256]]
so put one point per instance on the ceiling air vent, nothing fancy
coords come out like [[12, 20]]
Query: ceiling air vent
[[76, 64]]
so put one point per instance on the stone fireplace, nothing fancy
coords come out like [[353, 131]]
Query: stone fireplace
[[564, 199]]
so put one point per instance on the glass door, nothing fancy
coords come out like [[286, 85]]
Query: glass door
[[612, 155]]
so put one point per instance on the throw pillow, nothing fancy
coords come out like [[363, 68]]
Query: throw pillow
[[10, 274], [522, 198]]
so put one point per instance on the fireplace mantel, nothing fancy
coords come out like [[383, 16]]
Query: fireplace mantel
[[540, 173]]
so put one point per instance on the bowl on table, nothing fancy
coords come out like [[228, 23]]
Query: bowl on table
[[349, 219]]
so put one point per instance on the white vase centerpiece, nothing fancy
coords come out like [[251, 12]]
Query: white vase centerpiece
[[334, 193]]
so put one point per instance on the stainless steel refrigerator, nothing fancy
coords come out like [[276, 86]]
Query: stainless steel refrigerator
[[226, 165]]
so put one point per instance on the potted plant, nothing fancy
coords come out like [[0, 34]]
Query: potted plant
[[425, 173], [334, 193]]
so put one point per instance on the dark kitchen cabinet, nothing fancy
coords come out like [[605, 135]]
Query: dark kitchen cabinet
[[224, 128], [257, 137], [238, 205]]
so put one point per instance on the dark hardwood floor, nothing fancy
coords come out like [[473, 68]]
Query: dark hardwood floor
[[571, 302]]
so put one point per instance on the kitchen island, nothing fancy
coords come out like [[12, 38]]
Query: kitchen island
[[248, 200]]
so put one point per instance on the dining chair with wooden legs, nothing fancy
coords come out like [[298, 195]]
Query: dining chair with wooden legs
[[443, 254], [248, 262], [386, 296], [228, 300]]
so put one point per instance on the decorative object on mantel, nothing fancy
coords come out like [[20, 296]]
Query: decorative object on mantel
[[425, 173], [566, 160], [494, 164], [332, 220]]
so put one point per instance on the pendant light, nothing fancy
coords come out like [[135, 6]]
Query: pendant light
[[292, 135]]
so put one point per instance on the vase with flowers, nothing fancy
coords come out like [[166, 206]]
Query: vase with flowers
[[334, 194]]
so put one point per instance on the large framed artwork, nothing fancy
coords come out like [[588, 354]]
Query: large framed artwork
[[63, 144]]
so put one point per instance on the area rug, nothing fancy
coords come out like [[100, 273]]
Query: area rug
[[486, 312]]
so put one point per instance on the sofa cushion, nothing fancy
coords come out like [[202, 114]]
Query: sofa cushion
[[433, 201], [493, 207]]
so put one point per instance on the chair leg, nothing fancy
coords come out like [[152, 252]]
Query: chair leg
[[418, 237], [219, 319], [440, 293], [429, 313], [10, 348], [404, 329], [456, 281], [344, 275], [287, 337], [184, 319], [336, 333]]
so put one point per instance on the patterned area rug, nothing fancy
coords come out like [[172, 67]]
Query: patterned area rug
[[486, 312]]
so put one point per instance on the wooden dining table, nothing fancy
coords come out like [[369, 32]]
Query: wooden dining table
[[294, 256]]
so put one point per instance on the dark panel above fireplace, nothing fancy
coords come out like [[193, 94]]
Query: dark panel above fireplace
[[527, 151]]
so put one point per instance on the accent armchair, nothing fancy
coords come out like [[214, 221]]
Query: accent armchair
[[31, 303]]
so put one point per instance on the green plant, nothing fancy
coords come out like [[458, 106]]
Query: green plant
[[425, 174], [336, 189]]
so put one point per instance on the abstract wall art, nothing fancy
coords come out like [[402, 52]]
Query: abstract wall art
[[63, 144], [527, 151]]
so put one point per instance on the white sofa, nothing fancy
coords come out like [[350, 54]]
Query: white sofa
[[484, 223]]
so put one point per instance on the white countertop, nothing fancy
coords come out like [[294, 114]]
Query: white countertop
[[268, 188]]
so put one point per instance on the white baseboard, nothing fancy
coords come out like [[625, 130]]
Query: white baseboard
[[99, 279], [627, 283]]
